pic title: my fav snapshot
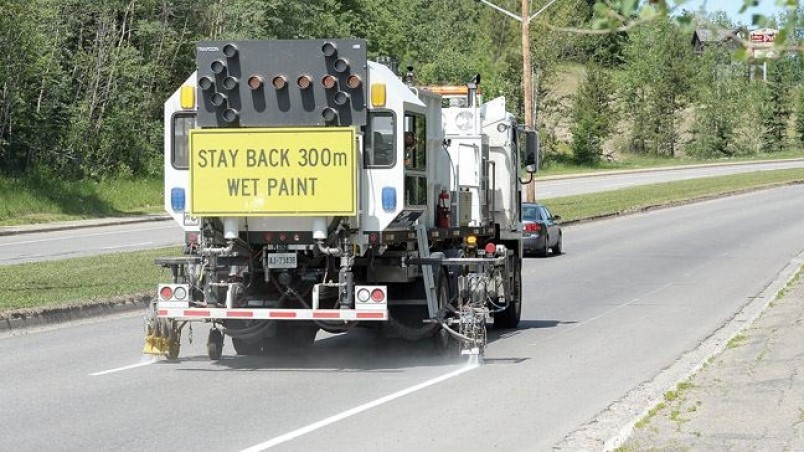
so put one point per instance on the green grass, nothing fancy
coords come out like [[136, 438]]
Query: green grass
[[81, 279], [580, 207], [634, 161], [39, 199], [736, 341]]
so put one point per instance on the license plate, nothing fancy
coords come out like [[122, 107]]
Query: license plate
[[281, 260]]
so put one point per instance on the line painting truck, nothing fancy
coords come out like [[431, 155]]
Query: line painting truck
[[319, 191]]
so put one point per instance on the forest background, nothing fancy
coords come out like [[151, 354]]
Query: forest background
[[82, 83]]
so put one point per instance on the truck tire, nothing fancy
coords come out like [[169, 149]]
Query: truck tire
[[215, 344], [246, 348], [444, 343], [509, 318]]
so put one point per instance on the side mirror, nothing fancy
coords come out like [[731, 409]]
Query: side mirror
[[532, 151], [556, 217]]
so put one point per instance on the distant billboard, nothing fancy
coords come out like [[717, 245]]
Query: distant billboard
[[761, 43]]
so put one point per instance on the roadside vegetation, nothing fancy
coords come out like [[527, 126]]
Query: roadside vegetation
[[40, 199], [82, 93], [83, 279], [581, 207]]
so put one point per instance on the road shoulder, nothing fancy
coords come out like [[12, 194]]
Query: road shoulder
[[750, 397]]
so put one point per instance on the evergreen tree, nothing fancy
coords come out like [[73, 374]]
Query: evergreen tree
[[592, 116], [777, 119]]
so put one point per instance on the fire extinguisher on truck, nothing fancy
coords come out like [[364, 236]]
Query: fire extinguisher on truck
[[285, 163]]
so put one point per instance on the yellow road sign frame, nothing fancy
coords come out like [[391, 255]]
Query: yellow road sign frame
[[300, 171]]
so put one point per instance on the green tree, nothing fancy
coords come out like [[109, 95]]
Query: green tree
[[592, 115], [717, 104], [780, 109], [653, 84]]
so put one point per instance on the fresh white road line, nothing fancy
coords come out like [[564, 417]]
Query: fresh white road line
[[356, 410], [130, 245], [73, 237], [146, 360]]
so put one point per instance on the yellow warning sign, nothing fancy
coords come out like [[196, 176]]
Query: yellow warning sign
[[273, 172]]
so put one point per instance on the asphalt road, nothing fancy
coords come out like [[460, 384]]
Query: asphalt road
[[630, 295], [66, 244], [555, 188]]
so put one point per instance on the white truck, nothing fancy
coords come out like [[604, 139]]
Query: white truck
[[319, 191]]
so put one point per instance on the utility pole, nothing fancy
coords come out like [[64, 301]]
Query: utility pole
[[527, 82], [527, 70]]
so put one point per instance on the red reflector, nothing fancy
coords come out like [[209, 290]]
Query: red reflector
[[240, 314], [196, 313], [326, 315], [192, 238], [377, 295], [163, 312], [490, 248], [166, 293], [282, 315], [370, 315]]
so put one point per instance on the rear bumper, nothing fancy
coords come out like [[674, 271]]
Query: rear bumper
[[534, 244], [271, 314]]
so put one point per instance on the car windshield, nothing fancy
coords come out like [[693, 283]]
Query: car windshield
[[531, 213]]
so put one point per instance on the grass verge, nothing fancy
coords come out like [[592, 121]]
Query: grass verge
[[580, 207], [82, 279], [634, 161], [40, 199]]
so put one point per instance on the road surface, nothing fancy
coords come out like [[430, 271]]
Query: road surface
[[555, 188], [630, 296]]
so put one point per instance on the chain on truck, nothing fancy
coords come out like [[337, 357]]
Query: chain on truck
[[320, 191]]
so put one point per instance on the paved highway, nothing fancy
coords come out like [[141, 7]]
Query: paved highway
[[554, 188], [629, 297], [54, 245]]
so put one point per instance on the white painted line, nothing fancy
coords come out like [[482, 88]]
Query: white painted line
[[356, 410], [130, 245], [146, 360], [79, 236]]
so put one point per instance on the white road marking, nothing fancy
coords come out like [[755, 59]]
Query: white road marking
[[130, 245], [356, 410], [72, 237], [146, 360]]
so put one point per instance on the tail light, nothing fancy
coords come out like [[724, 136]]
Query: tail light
[[180, 293], [329, 49], [166, 293], [533, 227], [491, 248], [378, 295]]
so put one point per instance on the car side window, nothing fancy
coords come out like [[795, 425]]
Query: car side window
[[547, 215]]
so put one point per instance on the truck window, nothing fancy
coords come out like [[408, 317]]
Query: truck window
[[380, 140], [180, 148], [415, 142]]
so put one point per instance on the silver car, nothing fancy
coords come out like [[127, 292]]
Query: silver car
[[540, 229]]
